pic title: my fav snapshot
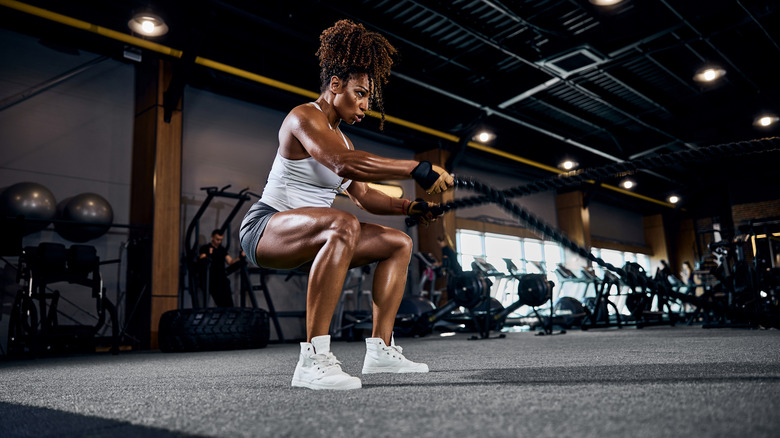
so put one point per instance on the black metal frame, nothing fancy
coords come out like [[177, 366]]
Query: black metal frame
[[34, 328], [190, 257]]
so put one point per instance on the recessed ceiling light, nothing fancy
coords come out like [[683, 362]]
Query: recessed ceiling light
[[605, 2], [627, 184], [709, 74], [765, 120], [568, 164], [484, 137], [148, 24]]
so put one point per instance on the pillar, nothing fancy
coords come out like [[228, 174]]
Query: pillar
[[155, 203], [427, 236], [574, 221], [655, 238]]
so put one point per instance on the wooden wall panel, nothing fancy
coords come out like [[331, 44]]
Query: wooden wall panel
[[655, 238], [427, 236], [574, 221], [574, 217], [684, 245], [155, 202], [167, 207]]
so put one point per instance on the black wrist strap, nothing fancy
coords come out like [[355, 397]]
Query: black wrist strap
[[421, 207], [424, 175]]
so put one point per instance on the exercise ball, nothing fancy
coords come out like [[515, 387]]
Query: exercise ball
[[31, 200], [89, 216]]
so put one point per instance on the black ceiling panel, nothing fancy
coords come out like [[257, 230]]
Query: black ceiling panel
[[552, 78]]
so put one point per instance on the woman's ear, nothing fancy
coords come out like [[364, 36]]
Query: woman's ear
[[335, 84]]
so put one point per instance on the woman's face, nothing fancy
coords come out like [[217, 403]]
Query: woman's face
[[352, 98]]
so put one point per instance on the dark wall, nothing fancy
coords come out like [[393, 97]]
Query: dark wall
[[76, 137]]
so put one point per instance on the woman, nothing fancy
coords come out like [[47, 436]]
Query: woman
[[293, 223]]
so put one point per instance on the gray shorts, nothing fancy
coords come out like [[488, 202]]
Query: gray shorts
[[252, 228]]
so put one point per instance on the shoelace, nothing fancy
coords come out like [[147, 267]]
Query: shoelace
[[325, 360], [327, 363], [396, 349]]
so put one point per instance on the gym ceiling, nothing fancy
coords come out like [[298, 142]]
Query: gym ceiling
[[552, 79]]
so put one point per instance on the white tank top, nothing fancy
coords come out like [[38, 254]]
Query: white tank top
[[302, 183]]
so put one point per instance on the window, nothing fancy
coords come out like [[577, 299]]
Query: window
[[524, 255], [534, 256], [619, 259], [499, 247], [553, 256], [527, 255], [470, 245]]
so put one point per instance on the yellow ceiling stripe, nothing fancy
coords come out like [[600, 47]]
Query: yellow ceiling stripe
[[159, 48]]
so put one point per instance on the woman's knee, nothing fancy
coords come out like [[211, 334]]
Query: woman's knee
[[400, 241], [344, 226], [408, 244]]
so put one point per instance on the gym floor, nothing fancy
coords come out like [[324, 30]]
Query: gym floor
[[650, 382]]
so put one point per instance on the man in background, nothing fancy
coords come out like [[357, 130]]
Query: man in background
[[214, 261]]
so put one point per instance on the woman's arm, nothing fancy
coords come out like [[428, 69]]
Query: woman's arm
[[306, 127], [376, 202], [310, 127]]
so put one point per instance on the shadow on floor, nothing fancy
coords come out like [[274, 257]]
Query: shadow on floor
[[27, 421]]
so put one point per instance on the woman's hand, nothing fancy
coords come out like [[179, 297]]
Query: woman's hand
[[423, 212], [432, 178]]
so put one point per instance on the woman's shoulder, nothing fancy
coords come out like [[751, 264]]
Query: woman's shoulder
[[306, 116], [306, 111]]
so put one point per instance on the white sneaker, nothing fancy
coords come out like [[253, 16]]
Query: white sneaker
[[383, 359], [318, 368]]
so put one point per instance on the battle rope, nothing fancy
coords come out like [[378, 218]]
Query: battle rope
[[501, 197], [610, 170], [498, 197], [628, 273], [633, 275]]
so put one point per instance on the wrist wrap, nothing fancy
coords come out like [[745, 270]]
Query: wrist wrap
[[424, 175]]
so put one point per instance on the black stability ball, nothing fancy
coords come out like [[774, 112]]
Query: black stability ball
[[31, 200], [89, 216]]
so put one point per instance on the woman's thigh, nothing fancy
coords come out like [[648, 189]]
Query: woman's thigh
[[294, 237], [378, 242]]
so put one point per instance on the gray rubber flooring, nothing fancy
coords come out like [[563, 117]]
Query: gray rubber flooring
[[653, 382]]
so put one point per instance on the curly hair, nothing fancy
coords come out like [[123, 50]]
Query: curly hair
[[347, 49]]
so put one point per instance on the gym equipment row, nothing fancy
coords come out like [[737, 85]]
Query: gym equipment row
[[759, 305], [470, 306], [34, 325]]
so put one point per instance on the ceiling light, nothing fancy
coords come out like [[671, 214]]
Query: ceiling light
[[568, 164], [484, 137], [148, 24], [673, 199], [709, 74], [627, 184], [605, 2], [765, 120]]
